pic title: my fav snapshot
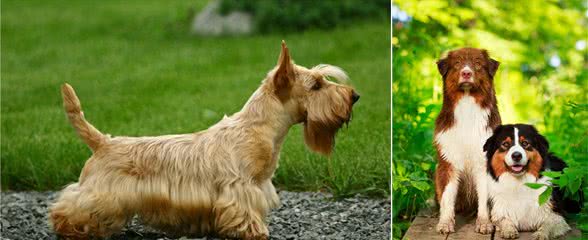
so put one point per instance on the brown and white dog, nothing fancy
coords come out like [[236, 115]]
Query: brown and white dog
[[467, 118]]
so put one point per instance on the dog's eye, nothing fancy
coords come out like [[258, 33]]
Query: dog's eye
[[524, 144], [316, 86], [506, 144]]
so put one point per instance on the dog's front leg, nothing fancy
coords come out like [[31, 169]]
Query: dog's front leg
[[507, 229], [483, 224], [447, 209], [240, 211]]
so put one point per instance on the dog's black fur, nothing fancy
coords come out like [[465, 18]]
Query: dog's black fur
[[551, 162]]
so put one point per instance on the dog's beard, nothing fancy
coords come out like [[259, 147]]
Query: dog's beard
[[319, 136]]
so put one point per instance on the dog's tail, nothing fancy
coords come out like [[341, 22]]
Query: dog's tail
[[73, 109]]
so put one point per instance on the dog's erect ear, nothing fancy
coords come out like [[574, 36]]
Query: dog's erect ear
[[492, 67], [443, 66], [285, 72]]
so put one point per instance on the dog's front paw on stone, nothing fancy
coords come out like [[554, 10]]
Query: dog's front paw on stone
[[445, 227], [484, 226], [509, 232], [257, 237]]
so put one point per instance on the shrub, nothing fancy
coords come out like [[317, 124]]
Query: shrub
[[292, 15]]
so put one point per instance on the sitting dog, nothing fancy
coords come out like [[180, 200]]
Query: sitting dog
[[517, 154], [212, 182], [467, 118]]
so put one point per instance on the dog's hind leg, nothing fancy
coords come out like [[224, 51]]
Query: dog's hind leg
[[270, 194], [79, 214], [554, 226], [240, 211]]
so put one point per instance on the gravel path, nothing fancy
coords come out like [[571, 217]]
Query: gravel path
[[23, 215]]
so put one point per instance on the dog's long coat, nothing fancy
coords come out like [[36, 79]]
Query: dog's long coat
[[217, 181], [468, 115]]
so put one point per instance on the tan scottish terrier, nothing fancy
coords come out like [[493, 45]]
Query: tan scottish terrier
[[217, 181]]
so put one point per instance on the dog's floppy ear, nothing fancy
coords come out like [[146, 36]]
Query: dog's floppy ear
[[443, 66], [541, 142], [492, 67], [490, 148], [489, 145], [285, 72]]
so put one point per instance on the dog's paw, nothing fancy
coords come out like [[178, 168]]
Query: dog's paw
[[540, 235], [445, 227], [261, 237], [509, 232], [484, 226]]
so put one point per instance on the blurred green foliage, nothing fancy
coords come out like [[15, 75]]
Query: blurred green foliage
[[296, 15], [542, 80]]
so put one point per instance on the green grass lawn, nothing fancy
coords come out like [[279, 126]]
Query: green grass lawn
[[137, 72]]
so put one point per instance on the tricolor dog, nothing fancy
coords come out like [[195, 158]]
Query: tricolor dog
[[518, 154]]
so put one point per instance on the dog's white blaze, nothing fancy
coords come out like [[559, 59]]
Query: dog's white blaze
[[461, 145], [513, 201], [516, 148], [468, 68]]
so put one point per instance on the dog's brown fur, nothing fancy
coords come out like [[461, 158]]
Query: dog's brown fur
[[217, 181], [461, 166], [483, 90]]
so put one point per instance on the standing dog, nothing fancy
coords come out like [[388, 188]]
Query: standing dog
[[517, 154], [467, 118], [217, 181]]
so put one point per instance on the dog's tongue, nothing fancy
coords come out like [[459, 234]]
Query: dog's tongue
[[517, 168]]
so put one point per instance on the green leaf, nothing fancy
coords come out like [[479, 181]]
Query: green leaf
[[422, 186], [562, 181], [574, 185], [400, 169], [552, 174], [535, 185], [426, 166], [545, 195]]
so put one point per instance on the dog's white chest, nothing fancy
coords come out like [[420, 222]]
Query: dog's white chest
[[462, 143], [512, 199]]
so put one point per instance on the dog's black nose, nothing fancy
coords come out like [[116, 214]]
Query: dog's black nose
[[516, 156], [354, 97]]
